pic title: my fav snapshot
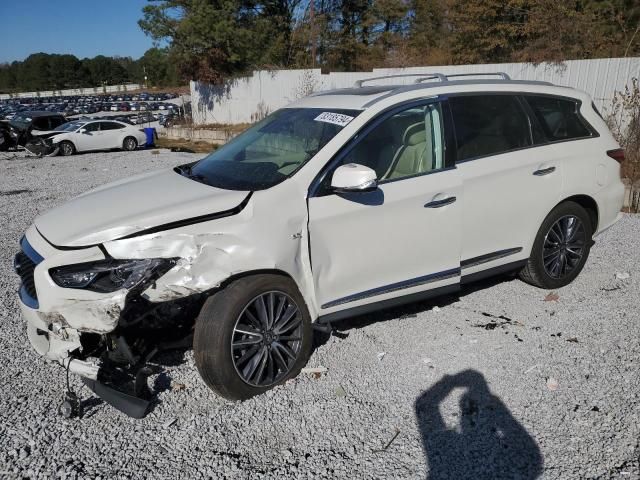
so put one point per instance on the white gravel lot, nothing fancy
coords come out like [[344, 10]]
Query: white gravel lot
[[493, 383]]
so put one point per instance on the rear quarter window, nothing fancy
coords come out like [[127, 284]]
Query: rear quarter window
[[559, 117]]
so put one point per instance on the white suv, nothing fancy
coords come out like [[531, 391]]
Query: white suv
[[342, 203]]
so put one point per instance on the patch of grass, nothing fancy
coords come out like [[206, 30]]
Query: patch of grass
[[186, 145], [227, 127]]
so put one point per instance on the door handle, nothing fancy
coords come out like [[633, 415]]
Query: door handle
[[441, 203], [544, 171]]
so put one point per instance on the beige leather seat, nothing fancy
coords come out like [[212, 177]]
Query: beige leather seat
[[414, 155]]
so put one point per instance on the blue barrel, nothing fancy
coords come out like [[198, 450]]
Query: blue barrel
[[150, 132]]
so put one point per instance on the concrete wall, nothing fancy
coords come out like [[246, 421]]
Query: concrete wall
[[244, 99], [75, 91], [209, 135]]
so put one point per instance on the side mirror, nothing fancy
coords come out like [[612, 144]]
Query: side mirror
[[82, 130], [353, 177]]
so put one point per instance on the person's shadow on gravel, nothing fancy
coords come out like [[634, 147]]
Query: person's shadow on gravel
[[488, 444]]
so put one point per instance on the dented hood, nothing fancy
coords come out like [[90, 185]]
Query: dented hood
[[134, 205]]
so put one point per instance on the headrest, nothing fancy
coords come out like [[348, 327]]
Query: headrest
[[415, 134]]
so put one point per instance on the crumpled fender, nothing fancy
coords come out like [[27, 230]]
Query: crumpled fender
[[208, 253]]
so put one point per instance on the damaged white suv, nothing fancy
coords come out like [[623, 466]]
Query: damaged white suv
[[342, 203]]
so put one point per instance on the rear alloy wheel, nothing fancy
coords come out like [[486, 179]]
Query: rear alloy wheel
[[561, 247], [129, 144], [251, 336]]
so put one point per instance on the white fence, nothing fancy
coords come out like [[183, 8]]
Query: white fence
[[74, 91], [242, 100]]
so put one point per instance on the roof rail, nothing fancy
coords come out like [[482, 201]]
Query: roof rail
[[503, 75], [439, 76], [432, 76]]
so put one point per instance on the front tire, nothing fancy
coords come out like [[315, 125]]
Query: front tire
[[67, 148], [251, 336], [561, 247], [129, 144]]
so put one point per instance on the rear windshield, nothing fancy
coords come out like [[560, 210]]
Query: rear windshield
[[21, 120], [271, 150]]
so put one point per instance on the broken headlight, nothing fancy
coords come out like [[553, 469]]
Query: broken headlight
[[107, 276]]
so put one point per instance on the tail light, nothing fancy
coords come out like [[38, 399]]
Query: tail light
[[617, 155]]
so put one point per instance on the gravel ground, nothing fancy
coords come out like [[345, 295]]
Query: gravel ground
[[493, 383]]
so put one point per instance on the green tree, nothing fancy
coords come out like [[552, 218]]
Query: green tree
[[215, 39], [156, 65]]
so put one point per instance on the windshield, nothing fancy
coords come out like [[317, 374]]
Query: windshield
[[270, 151], [69, 127]]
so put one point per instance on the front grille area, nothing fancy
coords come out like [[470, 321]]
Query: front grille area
[[24, 264]]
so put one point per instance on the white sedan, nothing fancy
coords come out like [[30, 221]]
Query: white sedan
[[82, 136]]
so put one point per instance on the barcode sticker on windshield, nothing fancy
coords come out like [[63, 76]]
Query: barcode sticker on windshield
[[335, 118]]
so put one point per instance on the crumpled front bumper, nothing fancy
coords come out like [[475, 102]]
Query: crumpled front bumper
[[56, 343]]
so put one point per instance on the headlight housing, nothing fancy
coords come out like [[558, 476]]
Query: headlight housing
[[106, 276]]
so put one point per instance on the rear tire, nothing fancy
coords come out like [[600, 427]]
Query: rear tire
[[129, 144], [67, 148], [561, 247], [238, 354], [5, 141]]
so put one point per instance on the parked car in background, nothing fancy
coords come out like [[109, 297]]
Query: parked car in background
[[82, 136], [38, 123]]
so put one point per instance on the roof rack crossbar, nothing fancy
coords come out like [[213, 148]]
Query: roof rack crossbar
[[503, 75], [439, 76]]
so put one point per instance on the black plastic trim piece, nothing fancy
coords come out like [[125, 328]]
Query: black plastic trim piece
[[489, 257], [392, 302], [491, 272], [394, 287], [128, 404]]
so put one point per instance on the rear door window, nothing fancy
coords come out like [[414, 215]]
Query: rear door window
[[489, 125], [92, 127], [110, 126], [559, 117]]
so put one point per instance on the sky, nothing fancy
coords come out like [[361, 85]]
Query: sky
[[84, 28]]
